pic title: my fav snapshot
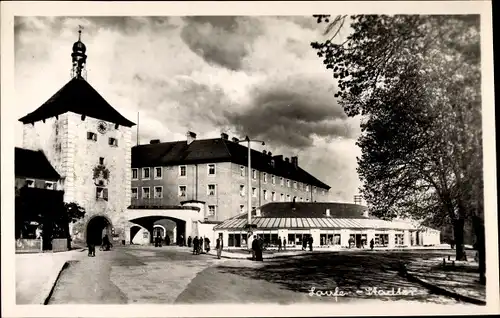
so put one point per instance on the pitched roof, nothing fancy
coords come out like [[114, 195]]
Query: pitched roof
[[217, 150], [33, 164], [287, 215], [77, 96], [311, 210], [325, 223]]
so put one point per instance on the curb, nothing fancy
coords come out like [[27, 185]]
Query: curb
[[439, 290], [54, 283]]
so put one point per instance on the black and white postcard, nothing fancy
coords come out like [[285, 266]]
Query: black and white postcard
[[248, 158]]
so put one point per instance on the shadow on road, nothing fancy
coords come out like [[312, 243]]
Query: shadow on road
[[353, 274]]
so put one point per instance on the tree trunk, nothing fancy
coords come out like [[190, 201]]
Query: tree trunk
[[458, 231], [480, 247]]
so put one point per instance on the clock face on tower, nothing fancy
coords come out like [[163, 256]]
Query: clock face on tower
[[102, 127]]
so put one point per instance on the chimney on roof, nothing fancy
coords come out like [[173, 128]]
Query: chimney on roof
[[224, 136], [154, 141], [279, 157], [365, 213], [191, 136], [257, 212], [269, 153], [235, 139], [295, 161], [327, 212], [264, 152], [287, 160]]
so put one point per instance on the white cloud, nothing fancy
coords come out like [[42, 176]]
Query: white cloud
[[204, 74]]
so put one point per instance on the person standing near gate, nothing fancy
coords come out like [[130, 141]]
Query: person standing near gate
[[259, 247], [207, 244], [189, 241], [195, 245], [90, 245], [284, 243], [279, 244], [219, 246], [311, 243], [255, 247]]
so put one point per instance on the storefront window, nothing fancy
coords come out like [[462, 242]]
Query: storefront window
[[323, 240], [381, 239], [274, 239], [398, 239], [336, 239]]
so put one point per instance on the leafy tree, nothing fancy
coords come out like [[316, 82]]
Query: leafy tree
[[67, 213], [415, 80]]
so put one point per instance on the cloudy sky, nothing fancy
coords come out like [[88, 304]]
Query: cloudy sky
[[253, 76]]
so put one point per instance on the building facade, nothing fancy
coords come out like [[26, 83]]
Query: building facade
[[215, 171], [330, 224], [89, 145]]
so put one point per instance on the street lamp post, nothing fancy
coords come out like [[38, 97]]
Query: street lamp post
[[249, 191]]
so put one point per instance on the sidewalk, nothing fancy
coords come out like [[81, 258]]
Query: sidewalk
[[459, 280], [37, 273]]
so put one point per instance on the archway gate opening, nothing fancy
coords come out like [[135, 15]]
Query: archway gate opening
[[97, 227]]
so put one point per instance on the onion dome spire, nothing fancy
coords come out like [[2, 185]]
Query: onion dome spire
[[78, 56]]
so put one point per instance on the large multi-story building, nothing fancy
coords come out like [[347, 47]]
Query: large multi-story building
[[214, 171]]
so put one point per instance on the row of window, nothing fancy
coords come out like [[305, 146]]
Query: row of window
[[158, 172], [282, 181], [211, 171], [146, 193], [111, 141], [274, 194], [158, 194], [49, 185]]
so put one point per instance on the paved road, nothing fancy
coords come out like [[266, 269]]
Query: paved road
[[170, 275]]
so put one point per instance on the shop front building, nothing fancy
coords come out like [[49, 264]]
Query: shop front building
[[331, 224]]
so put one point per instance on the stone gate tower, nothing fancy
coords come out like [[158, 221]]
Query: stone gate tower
[[88, 142]]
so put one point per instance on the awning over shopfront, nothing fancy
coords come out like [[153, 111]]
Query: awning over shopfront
[[314, 223], [313, 216]]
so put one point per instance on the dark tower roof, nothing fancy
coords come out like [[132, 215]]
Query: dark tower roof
[[79, 97]]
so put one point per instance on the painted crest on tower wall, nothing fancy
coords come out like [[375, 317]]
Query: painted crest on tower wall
[[101, 176]]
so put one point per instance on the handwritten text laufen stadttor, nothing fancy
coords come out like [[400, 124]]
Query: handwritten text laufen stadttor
[[367, 291]]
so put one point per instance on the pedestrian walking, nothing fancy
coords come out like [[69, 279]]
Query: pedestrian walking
[[195, 245], [207, 244], [255, 243], [284, 244], [372, 243], [311, 240], [91, 246], [189, 241], [304, 244], [259, 247], [219, 246], [279, 244], [106, 244], [201, 243]]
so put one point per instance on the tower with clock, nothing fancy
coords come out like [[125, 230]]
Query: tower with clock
[[89, 143]]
